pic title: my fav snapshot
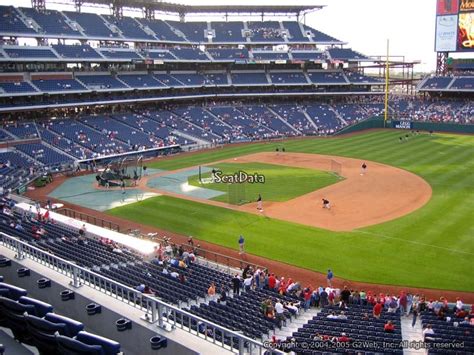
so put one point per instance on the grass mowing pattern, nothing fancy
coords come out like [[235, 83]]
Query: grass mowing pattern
[[281, 183], [432, 247]]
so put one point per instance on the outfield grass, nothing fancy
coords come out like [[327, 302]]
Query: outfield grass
[[432, 247], [281, 183]]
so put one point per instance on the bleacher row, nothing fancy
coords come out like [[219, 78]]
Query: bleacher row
[[34, 323], [104, 81], [454, 83], [28, 22], [85, 53], [356, 327]]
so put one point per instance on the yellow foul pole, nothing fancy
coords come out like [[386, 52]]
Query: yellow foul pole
[[386, 85]]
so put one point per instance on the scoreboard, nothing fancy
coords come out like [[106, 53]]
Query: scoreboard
[[454, 26]]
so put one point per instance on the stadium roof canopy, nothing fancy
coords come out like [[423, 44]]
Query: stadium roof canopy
[[158, 5]]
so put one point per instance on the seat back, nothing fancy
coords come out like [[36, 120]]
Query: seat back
[[41, 308], [72, 346], [13, 292], [42, 333], [109, 346], [72, 326], [9, 306]]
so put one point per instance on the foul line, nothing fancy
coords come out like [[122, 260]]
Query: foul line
[[414, 242]]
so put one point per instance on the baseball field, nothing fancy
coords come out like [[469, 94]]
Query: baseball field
[[430, 247]]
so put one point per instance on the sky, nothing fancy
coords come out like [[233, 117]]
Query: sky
[[364, 24]]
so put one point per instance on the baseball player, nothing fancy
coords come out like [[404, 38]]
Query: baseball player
[[326, 204], [259, 203], [363, 169]]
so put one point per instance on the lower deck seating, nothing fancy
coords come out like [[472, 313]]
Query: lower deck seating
[[34, 323], [448, 328], [359, 327]]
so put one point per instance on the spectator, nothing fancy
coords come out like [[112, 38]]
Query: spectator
[[331, 297], [342, 316], [392, 305], [222, 295], [459, 304], [271, 282], [82, 231], [279, 312], [236, 285], [389, 327], [324, 298], [403, 302], [211, 291], [343, 338], [307, 298], [377, 310], [428, 333], [332, 315], [415, 315], [292, 307], [248, 283], [345, 295]]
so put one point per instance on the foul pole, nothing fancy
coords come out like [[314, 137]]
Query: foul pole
[[386, 85]]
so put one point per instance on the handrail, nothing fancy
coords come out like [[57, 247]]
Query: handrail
[[88, 218], [212, 256], [156, 311]]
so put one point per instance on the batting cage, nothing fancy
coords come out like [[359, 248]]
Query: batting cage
[[336, 167], [236, 194], [128, 169]]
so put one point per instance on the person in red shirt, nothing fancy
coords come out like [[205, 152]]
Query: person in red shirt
[[331, 297], [271, 282], [377, 310], [370, 298], [343, 338], [307, 293], [389, 327], [283, 286]]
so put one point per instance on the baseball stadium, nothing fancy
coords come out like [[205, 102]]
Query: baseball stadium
[[184, 178]]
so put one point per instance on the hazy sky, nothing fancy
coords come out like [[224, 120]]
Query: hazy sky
[[364, 24]]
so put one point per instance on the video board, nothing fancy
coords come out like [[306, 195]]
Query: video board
[[454, 26]]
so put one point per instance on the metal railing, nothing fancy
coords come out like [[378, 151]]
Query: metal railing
[[88, 218], [162, 314], [206, 254]]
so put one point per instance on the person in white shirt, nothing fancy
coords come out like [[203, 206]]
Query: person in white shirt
[[279, 309], [248, 283], [342, 316], [331, 316], [292, 308], [174, 274], [279, 312], [459, 304], [428, 332]]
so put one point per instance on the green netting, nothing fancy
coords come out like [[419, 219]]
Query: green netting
[[236, 194]]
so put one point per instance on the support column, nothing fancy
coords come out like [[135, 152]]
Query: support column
[[149, 13], [441, 63], [39, 5]]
